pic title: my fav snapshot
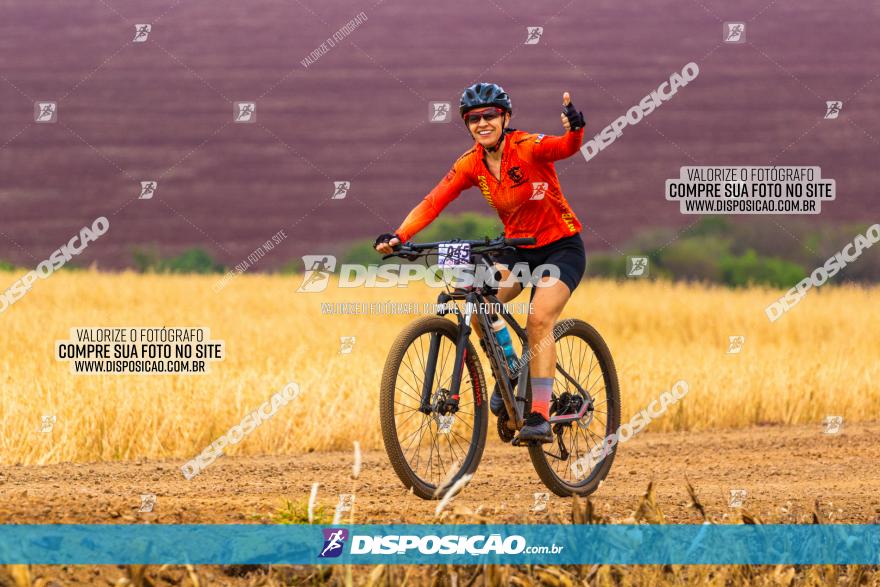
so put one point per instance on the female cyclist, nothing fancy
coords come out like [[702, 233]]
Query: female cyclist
[[514, 171]]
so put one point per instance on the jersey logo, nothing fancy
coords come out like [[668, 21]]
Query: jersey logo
[[516, 176], [539, 138], [539, 190]]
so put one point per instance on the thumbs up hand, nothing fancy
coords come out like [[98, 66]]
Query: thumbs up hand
[[571, 118]]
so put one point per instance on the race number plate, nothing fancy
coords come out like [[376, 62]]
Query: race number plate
[[454, 254]]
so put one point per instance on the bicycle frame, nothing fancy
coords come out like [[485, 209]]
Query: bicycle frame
[[473, 301], [513, 394]]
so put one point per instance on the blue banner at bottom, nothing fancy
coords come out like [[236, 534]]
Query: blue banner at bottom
[[444, 544]]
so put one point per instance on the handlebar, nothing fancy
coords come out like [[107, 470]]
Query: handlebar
[[411, 249]]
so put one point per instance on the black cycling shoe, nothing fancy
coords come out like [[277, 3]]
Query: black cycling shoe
[[496, 402], [537, 429]]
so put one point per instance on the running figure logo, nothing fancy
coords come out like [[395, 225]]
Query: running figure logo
[[833, 424], [541, 501], [45, 111], [334, 540], [533, 35], [46, 423], [245, 112], [318, 270], [445, 422], [734, 32], [636, 266], [346, 501], [439, 112], [346, 344], [735, 344], [141, 32], [148, 502], [737, 498], [148, 189], [340, 189], [539, 190], [832, 109]]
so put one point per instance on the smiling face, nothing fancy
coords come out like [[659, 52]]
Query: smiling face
[[485, 124]]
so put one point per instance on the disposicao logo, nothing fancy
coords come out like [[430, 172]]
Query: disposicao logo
[[334, 540]]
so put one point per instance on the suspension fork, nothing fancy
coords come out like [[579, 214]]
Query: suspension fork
[[464, 332], [430, 370]]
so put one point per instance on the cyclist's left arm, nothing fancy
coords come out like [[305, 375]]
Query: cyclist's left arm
[[556, 148], [549, 148]]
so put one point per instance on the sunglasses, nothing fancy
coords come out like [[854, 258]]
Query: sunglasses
[[489, 114]]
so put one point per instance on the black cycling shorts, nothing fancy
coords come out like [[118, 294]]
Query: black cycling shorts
[[566, 253]]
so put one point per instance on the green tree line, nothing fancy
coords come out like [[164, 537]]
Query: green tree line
[[714, 250]]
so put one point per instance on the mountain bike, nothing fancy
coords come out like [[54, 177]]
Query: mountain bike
[[433, 402]]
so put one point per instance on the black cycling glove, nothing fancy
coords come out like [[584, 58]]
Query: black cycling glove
[[575, 118], [384, 238]]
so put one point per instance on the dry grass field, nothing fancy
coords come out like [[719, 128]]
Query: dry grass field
[[818, 360]]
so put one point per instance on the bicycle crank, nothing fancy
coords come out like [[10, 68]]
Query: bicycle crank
[[505, 430]]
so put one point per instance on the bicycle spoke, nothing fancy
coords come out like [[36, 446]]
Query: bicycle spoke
[[419, 445], [599, 439], [458, 444], [415, 376], [413, 434], [460, 436], [408, 418], [441, 469], [408, 407], [420, 353], [430, 471], [418, 401]]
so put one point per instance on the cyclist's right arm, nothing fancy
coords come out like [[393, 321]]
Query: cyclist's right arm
[[450, 187]]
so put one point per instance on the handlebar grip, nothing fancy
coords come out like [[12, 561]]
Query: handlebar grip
[[520, 241]]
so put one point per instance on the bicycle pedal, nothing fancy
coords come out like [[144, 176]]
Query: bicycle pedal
[[517, 442]]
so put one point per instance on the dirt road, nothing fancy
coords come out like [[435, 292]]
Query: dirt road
[[783, 470]]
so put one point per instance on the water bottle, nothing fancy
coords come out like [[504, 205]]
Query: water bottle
[[502, 335]]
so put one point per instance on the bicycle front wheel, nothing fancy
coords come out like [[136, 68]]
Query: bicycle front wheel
[[431, 449]]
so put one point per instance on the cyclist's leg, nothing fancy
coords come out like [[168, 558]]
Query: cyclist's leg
[[547, 305], [548, 301], [507, 289]]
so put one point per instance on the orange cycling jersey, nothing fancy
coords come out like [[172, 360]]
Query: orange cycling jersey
[[528, 198]]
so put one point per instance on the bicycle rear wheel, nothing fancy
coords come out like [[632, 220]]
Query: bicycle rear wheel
[[431, 451], [564, 465]]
